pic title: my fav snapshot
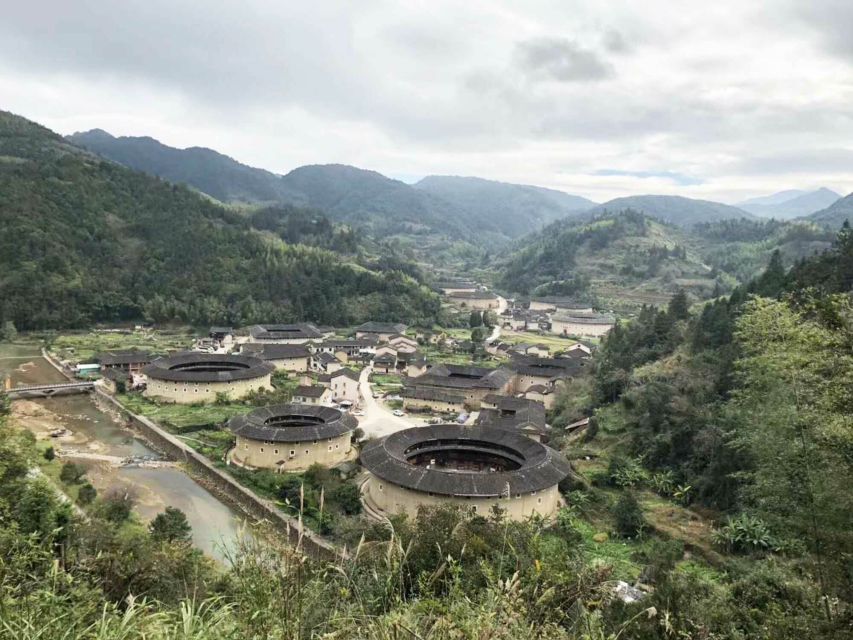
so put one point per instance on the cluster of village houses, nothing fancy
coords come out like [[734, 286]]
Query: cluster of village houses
[[511, 398]]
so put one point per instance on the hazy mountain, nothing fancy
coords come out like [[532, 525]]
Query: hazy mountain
[[215, 174], [790, 204], [835, 214], [516, 209], [87, 240], [466, 209], [678, 210]]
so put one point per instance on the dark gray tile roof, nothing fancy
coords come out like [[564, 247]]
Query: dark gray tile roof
[[300, 331], [207, 367], [292, 423], [540, 467], [275, 351]]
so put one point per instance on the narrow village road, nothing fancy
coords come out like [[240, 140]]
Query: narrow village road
[[496, 330], [377, 420]]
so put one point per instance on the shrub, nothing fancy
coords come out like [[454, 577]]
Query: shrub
[[86, 494], [71, 473], [171, 526], [626, 472], [49, 454], [347, 497], [628, 516], [744, 534]]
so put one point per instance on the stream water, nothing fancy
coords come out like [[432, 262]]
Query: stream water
[[215, 525]]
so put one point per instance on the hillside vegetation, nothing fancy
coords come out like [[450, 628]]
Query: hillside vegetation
[[87, 240], [625, 255], [786, 205], [836, 214]]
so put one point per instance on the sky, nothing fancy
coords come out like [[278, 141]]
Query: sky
[[719, 100]]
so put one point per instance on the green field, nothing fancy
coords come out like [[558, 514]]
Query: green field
[[84, 346]]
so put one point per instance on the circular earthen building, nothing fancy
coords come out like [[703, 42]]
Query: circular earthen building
[[198, 377], [474, 467], [292, 437]]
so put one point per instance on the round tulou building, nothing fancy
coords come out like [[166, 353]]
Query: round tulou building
[[474, 467], [198, 377], [292, 437]]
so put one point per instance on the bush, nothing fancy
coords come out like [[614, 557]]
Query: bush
[[744, 534], [49, 454], [86, 494], [116, 507], [626, 472], [171, 526], [71, 473], [628, 516], [347, 497]]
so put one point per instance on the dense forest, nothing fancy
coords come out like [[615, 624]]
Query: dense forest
[[86, 240], [746, 408]]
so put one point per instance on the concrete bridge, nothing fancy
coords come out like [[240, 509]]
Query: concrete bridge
[[48, 390]]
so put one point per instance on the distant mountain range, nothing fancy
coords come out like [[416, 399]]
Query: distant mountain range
[[835, 214], [685, 212], [463, 208], [793, 203]]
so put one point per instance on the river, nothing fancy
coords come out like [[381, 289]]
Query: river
[[215, 525]]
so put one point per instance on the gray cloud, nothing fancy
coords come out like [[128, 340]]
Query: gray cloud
[[544, 93], [560, 59]]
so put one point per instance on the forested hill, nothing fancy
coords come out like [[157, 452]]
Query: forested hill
[[517, 209], [836, 214], [786, 205], [626, 256], [469, 210], [87, 240], [626, 259], [684, 212]]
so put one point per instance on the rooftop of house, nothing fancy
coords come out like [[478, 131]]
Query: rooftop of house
[[299, 331], [514, 413], [474, 295], [310, 390], [585, 318], [381, 327], [564, 302], [435, 395], [325, 358], [275, 351], [112, 358], [350, 343], [221, 330], [546, 367], [463, 377], [346, 372]]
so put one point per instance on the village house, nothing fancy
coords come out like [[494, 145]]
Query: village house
[[386, 350], [449, 287], [344, 385], [589, 324], [382, 331], [301, 333], [325, 362], [222, 337], [431, 400], [412, 364], [514, 414], [385, 363], [475, 300], [532, 371], [313, 394], [351, 347], [545, 394], [551, 304], [403, 344], [472, 383], [527, 349], [131, 362], [285, 357]]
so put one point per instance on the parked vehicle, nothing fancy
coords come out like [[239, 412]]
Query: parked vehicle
[[461, 418], [358, 412], [398, 413]]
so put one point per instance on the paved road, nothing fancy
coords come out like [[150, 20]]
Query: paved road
[[377, 420], [496, 331]]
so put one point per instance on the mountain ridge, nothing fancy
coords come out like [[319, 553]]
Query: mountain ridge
[[793, 203]]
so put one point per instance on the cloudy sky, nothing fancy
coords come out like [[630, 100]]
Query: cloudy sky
[[721, 100]]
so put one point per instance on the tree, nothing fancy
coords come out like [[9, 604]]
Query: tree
[[476, 319], [348, 497], [8, 332], [71, 473], [171, 526], [679, 307], [49, 454], [628, 516], [116, 506], [86, 494]]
